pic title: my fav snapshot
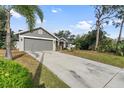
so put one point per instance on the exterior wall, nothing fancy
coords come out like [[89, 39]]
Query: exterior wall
[[38, 33], [33, 44], [17, 44], [54, 45], [21, 43], [64, 46], [57, 45]]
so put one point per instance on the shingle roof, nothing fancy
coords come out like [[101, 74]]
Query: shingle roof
[[22, 32]]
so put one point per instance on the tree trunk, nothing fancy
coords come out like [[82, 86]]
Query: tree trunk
[[119, 37], [0, 25], [121, 27], [8, 53], [97, 36]]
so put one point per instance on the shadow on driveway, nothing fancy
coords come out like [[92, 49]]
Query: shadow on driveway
[[37, 75]]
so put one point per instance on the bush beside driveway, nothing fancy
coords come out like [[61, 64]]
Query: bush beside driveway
[[13, 75]]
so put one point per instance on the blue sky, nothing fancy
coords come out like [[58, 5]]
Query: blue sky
[[77, 19]]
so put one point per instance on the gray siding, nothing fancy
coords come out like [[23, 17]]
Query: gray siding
[[36, 34], [37, 44]]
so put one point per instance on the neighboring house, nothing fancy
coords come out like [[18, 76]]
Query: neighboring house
[[36, 40], [63, 43]]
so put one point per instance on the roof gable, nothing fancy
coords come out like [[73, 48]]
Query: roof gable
[[34, 31], [62, 38]]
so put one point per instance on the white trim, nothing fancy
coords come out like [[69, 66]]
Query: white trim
[[36, 37], [54, 35], [54, 45], [64, 39]]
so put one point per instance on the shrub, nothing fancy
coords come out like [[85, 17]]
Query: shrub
[[107, 45], [120, 49], [87, 41], [13, 75]]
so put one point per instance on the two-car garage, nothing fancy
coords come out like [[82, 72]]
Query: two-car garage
[[37, 40], [37, 44]]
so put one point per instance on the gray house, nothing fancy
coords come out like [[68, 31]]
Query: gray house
[[36, 40]]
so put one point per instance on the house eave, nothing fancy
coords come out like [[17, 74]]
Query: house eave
[[22, 32]]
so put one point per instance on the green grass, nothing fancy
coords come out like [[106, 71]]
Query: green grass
[[106, 58], [42, 76], [50, 80]]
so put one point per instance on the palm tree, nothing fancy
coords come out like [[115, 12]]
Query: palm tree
[[2, 29], [28, 11]]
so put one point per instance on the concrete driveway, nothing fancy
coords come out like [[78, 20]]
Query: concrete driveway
[[81, 73]]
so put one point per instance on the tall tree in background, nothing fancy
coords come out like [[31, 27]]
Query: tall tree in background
[[119, 9], [63, 33], [87, 41], [102, 14], [66, 34], [28, 12]]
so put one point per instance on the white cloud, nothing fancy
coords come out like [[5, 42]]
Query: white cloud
[[15, 14], [56, 10], [84, 25], [90, 22]]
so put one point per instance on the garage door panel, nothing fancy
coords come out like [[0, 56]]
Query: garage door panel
[[38, 44]]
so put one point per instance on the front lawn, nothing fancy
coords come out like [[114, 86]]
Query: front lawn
[[100, 57], [42, 76]]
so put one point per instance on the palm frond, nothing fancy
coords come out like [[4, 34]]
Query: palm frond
[[39, 13], [28, 12]]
